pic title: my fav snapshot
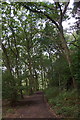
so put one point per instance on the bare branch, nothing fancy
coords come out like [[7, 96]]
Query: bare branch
[[65, 9]]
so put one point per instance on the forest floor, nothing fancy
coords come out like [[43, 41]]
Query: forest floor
[[34, 106]]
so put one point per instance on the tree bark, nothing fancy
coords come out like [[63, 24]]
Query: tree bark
[[67, 54]]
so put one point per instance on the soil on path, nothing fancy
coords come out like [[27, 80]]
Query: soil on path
[[32, 107]]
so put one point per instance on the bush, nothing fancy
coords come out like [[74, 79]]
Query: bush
[[65, 102], [51, 92], [9, 90], [69, 111]]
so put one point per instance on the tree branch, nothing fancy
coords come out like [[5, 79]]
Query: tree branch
[[9, 45], [17, 53], [7, 58], [65, 9], [73, 42], [41, 12], [61, 14]]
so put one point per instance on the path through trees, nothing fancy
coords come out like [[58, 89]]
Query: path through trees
[[33, 106]]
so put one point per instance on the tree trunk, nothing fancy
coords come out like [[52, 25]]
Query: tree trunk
[[36, 82], [67, 54], [31, 82], [42, 77], [59, 81]]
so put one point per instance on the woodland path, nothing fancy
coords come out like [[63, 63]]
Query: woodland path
[[33, 106]]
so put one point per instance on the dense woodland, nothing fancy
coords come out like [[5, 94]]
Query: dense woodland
[[40, 54]]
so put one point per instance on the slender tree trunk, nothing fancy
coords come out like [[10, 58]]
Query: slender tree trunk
[[36, 81], [51, 65], [31, 82], [42, 77], [59, 81]]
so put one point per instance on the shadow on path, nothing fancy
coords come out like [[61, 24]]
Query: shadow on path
[[32, 107]]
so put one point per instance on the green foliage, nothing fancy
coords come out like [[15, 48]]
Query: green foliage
[[33, 53], [8, 86], [51, 92], [75, 58], [10, 111], [67, 111], [64, 103]]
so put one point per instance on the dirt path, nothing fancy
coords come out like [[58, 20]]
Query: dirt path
[[32, 107]]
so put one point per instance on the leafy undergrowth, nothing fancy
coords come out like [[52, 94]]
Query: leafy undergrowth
[[65, 103], [7, 109]]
